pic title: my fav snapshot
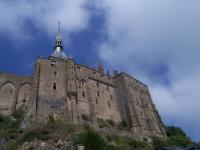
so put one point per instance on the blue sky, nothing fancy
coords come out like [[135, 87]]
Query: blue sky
[[155, 41]]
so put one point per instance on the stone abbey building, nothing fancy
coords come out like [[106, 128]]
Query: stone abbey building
[[61, 88]]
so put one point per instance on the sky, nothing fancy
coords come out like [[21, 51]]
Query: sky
[[157, 42]]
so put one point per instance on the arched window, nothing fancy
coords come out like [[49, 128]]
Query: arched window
[[83, 82]]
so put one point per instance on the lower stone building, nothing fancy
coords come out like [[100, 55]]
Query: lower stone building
[[61, 88]]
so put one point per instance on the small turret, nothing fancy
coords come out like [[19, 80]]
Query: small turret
[[100, 68], [115, 73]]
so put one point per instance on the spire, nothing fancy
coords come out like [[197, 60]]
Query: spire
[[58, 49]]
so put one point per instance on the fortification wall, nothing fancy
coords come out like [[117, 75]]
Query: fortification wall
[[96, 94], [140, 110], [15, 91]]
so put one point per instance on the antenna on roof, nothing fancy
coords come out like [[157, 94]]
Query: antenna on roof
[[59, 28]]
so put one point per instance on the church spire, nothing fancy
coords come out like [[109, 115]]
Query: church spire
[[58, 49]]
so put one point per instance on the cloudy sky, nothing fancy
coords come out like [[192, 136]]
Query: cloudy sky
[[156, 41]]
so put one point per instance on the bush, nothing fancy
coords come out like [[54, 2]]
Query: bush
[[85, 117], [10, 124], [122, 125], [102, 123], [175, 137], [90, 139], [110, 122]]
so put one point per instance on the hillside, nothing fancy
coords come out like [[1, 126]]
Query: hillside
[[63, 135]]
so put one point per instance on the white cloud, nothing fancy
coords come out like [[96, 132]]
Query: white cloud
[[144, 34], [43, 14]]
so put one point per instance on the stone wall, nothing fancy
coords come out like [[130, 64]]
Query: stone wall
[[61, 88], [50, 94], [15, 91], [141, 112]]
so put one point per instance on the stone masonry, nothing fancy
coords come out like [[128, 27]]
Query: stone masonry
[[61, 88]]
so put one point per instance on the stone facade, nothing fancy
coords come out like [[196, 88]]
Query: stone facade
[[61, 88]]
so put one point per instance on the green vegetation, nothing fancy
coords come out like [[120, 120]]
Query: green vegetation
[[123, 125], [84, 134], [175, 137], [9, 126], [90, 139]]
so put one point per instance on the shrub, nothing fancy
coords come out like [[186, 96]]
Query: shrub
[[85, 117], [175, 137], [90, 139], [122, 125], [111, 122], [102, 123]]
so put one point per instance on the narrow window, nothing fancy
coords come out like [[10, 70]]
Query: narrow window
[[98, 93], [137, 101], [53, 63], [83, 93], [78, 68], [83, 82], [54, 85], [109, 104], [96, 101], [140, 113], [147, 106], [97, 84], [55, 73]]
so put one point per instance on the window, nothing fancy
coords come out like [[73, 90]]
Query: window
[[53, 63], [97, 84], [83, 93], [94, 72], [54, 86], [98, 93], [78, 68], [55, 73], [147, 105], [137, 102], [83, 82], [141, 114], [96, 101], [109, 104]]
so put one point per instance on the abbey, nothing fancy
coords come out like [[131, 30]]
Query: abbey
[[61, 88]]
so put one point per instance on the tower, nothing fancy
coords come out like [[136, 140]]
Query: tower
[[52, 78]]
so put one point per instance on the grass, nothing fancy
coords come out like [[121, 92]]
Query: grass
[[83, 134]]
